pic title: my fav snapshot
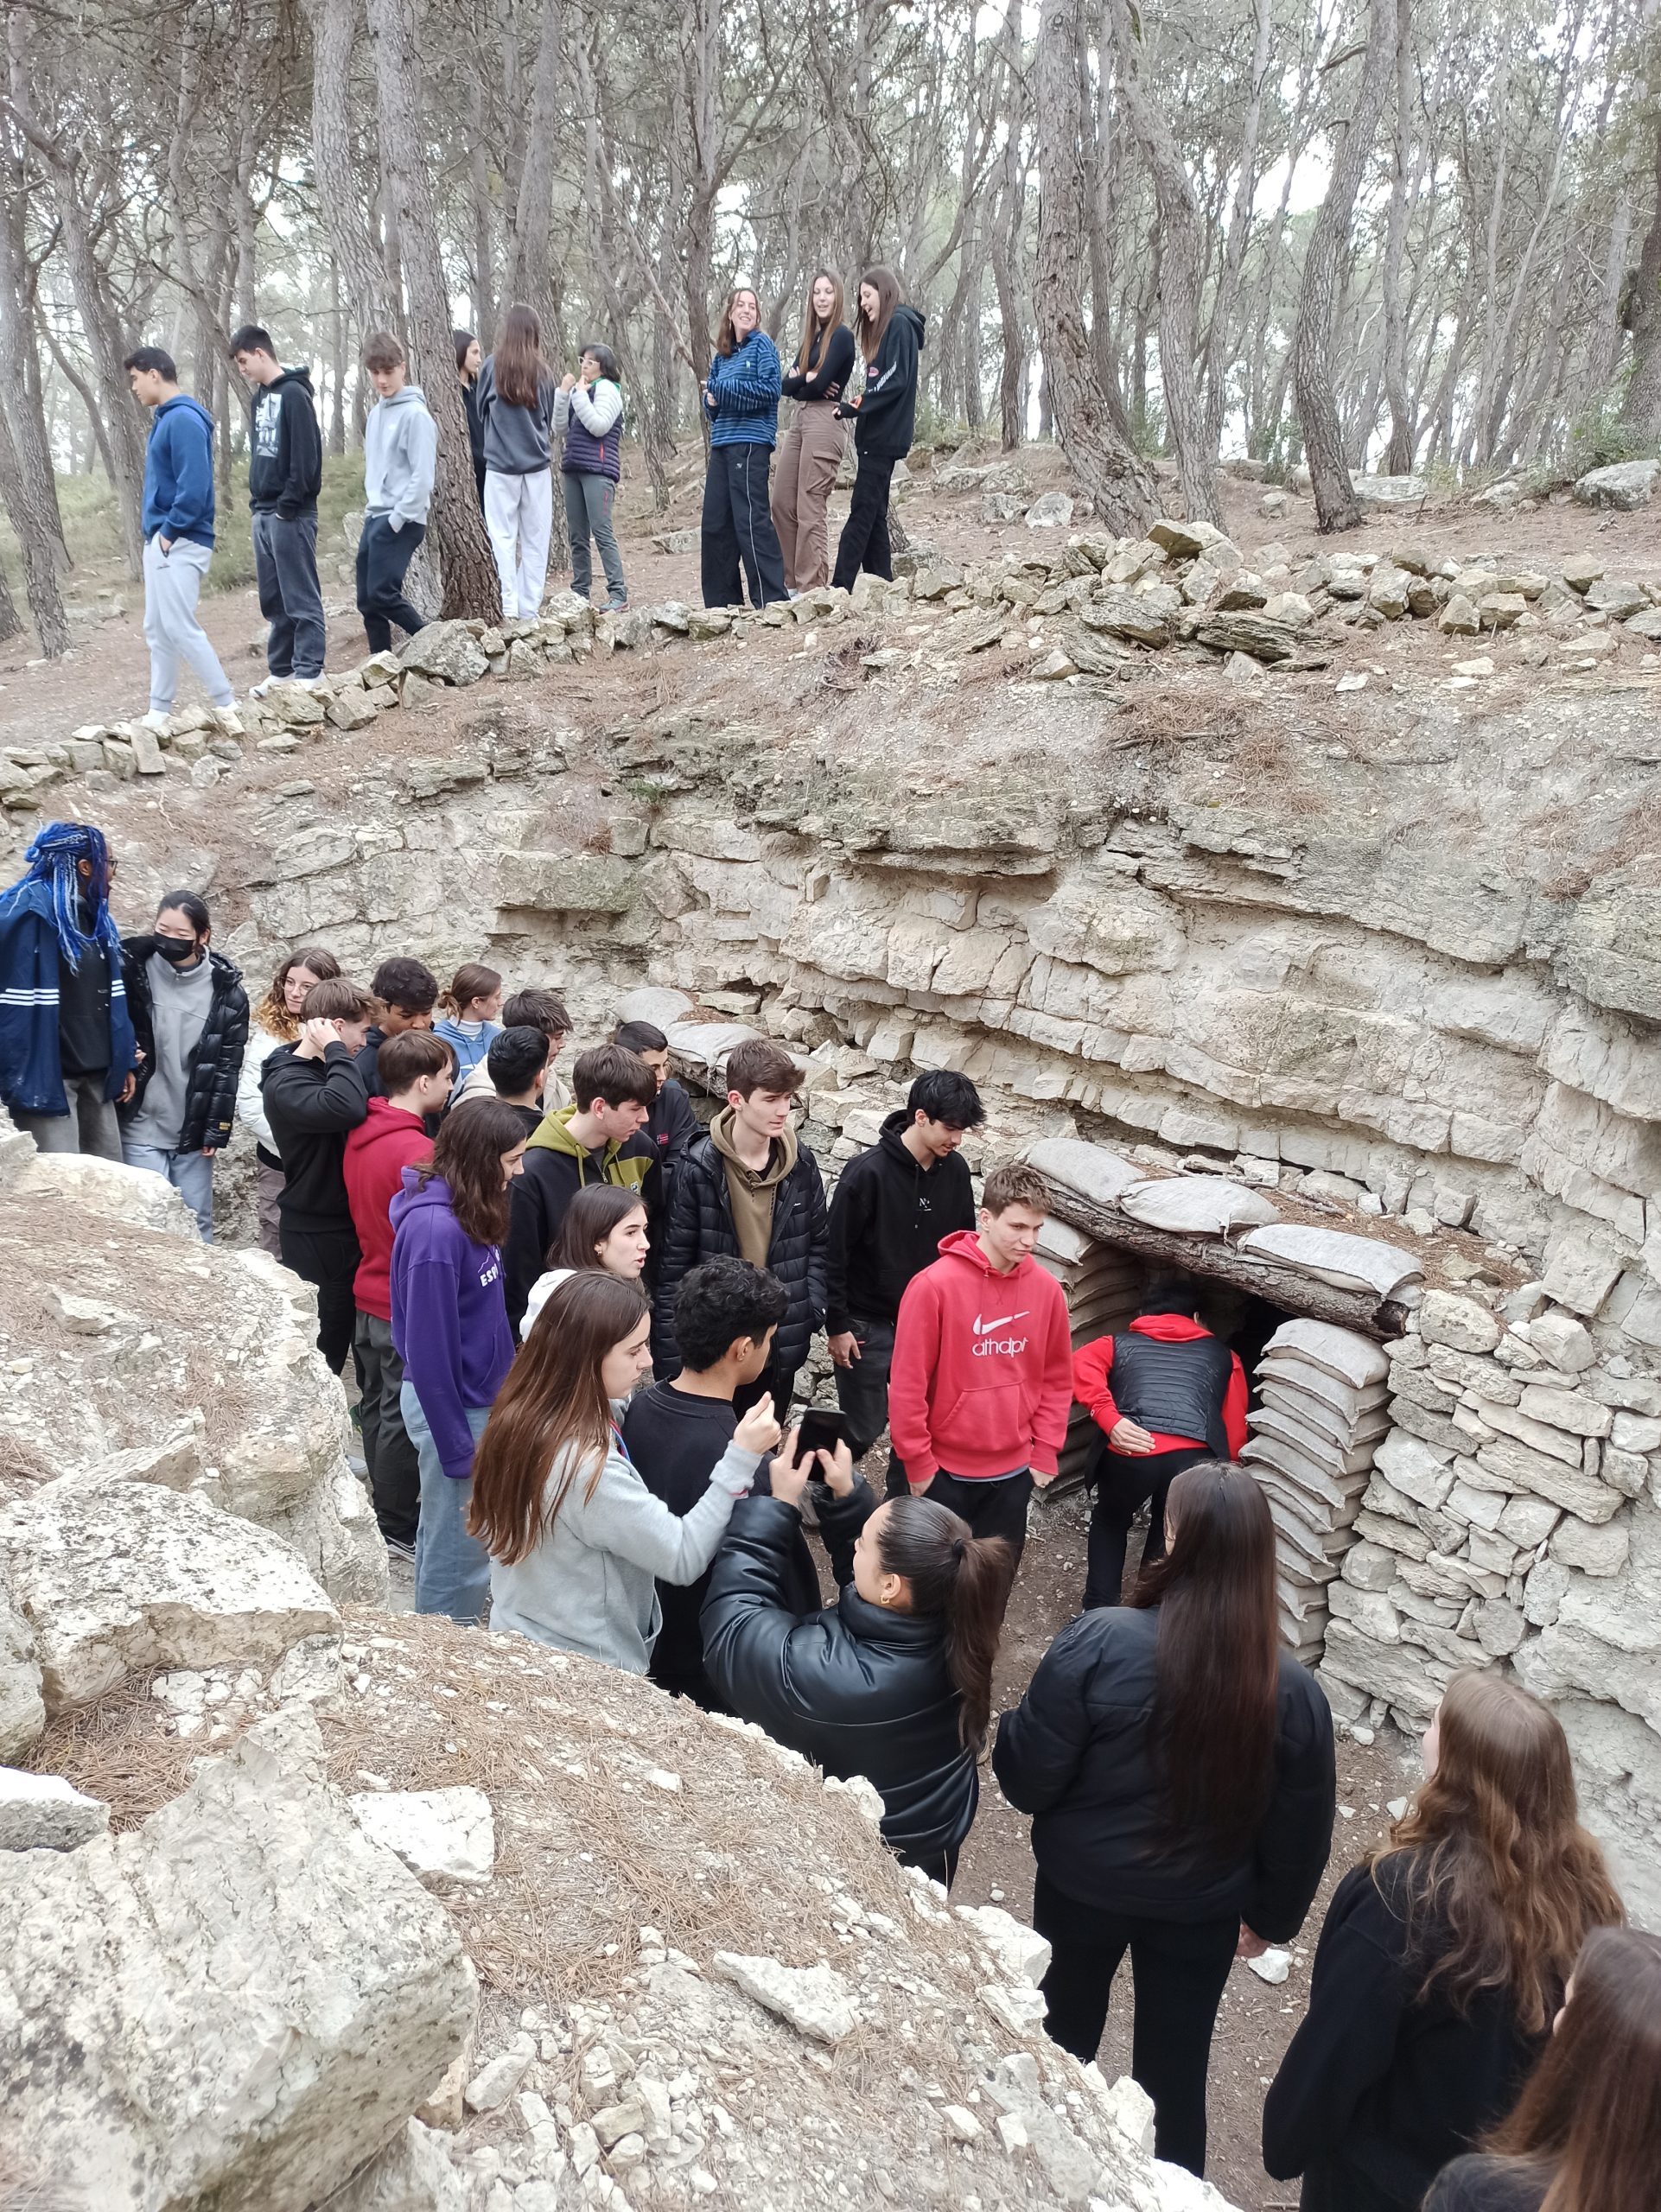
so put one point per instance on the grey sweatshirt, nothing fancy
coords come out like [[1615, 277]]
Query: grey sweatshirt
[[179, 999], [590, 1585], [400, 440], [516, 438]]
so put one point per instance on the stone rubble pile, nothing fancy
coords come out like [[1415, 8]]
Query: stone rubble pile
[[1313, 1437], [1110, 599]]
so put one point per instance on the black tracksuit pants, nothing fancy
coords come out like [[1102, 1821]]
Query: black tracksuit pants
[[864, 540], [737, 530], [1177, 1969], [994, 1509], [383, 558], [329, 1260], [1122, 1485]]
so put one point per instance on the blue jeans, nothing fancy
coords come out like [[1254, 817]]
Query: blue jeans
[[191, 1174], [452, 1569]]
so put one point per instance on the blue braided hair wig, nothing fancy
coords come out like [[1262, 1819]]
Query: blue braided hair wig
[[53, 860]]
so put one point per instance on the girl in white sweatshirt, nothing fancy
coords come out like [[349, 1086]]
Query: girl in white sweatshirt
[[588, 417]]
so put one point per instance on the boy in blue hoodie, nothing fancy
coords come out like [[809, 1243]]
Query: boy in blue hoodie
[[400, 444], [178, 529]]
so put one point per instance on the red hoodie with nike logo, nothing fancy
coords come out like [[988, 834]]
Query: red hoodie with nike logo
[[982, 1379]]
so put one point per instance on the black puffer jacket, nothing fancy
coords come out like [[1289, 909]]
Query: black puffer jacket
[[1077, 1753], [211, 1098], [701, 1227], [855, 1688]]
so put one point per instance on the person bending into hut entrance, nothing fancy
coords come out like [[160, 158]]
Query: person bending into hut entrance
[[1165, 1395]]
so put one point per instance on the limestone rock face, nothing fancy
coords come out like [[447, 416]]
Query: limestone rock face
[[242, 1414], [22, 1713], [445, 653], [39, 1812], [238, 2003], [115, 1578]]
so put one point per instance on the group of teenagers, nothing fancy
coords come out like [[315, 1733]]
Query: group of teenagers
[[503, 1260], [526, 424]]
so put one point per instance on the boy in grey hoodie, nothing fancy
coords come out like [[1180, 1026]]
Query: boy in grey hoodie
[[400, 442]]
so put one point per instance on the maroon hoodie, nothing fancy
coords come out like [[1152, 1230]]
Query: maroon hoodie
[[981, 1378], [377, 1152]]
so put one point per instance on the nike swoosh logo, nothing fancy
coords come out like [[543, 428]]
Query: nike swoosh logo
[[985, 1328]]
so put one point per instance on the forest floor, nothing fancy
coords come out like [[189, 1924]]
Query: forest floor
[[106, 676]]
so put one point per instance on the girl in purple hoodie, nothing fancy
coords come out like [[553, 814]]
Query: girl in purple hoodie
[[449, 1328]]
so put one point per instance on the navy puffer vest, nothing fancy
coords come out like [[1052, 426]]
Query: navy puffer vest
[[587, 456]]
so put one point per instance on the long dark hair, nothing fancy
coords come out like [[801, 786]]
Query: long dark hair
[[467, 1157], [518, 367], [1215, 1717], [869, 332], [811, 327], [727, 337], [1590, 2112], [964, 1577], [464, 341], [1503, 1883], [596, 1209], [553, 1406]]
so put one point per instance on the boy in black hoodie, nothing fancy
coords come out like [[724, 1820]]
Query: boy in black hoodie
[[314, 1096], [888, 336], [285, 472], [893, 1204]]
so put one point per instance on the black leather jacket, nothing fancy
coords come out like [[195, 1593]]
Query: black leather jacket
[[855, 1688]]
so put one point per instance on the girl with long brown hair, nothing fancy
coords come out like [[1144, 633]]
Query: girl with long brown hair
[[515, 397], [469, 360], [449, 1328], [1442, 1961], [1179, 1766], [813, 450], [576, 1540], [1587, 2134], [894, 1680], [604, 1227], [276, 1023], [888, 336], [741, 405]]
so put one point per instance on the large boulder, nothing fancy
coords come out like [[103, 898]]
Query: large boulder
[[1624, 485], [115, 1578], [23, 1711], [237, 2004]]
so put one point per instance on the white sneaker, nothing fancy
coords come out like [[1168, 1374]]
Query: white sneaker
[[308, 683], [156, 720], [267, 685]]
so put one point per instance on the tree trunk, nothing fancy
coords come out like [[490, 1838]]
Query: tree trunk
[[456, 527], [1119, 483], [1218, 339], [1179, 292], [31, 522], [369, 296], [530, 272], [1336, 506], [1399, 455], [1641, 410], [12, 622]]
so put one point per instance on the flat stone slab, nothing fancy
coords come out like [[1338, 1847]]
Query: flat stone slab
[[42, 1812]]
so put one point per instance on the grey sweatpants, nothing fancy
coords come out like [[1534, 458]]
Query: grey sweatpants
[[89, 1126], [285, 566], [588, 503], [173, 582]]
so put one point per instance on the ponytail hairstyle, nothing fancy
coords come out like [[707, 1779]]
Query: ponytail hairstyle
[[1590, 2112], [810, 327], [1216, 1701], [551, 1412], [597, 1209], [471, 980], [868, 334], [727, 337], [1504, 1885], [192, 907], [518, 367], [272, 1013], [467, 1157], [964, 1577]]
